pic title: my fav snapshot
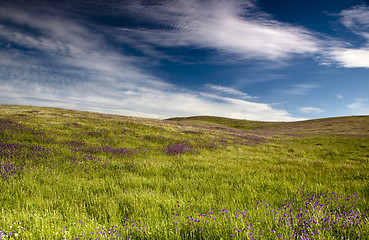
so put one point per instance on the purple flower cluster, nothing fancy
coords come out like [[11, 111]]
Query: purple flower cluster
[[16, 157], [76, 144], [7, 125], [312, 215], [178, 149], [204, 144], [303, 217], [7, 169], [12, 233]]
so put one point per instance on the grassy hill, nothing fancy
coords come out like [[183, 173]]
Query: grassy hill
[[354, 125], [79, 175]]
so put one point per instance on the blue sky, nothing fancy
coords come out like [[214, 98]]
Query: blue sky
[[251, 59]]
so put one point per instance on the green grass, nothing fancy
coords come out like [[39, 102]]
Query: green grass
[[68, 173]]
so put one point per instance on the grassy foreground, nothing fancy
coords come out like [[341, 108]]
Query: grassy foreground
[[78, 175]]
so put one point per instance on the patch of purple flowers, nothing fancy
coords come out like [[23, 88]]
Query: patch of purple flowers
[[178, 149], [15, 157], [306, 216], [7, 125]]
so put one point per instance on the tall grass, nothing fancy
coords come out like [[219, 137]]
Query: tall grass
[[79, 175]]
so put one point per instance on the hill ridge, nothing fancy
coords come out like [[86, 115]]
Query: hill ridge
[[343, 125], [358, 125]]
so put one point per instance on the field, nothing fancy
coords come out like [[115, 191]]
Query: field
[[79, 175]]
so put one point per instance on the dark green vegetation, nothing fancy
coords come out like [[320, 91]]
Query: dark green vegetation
[[79, 175]]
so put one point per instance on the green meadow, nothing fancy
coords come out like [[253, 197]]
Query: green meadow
[[79, 175]]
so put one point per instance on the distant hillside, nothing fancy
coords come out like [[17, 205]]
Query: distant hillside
[[349, 126], [353, 125]]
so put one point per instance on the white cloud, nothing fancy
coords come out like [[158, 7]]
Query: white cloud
[[298, 89], [230, 91], [339, 96], [310, 110], [356, 19], [360, 106], [145, 103], [231, 27], [351, 58], [64, 41], [238, 30]]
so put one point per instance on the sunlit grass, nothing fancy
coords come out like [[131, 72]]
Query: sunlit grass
[[79, 175]]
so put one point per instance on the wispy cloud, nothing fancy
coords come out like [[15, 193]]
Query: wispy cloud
[[229, 91], [61, 40], [143, 103], [236, 28], [67, 62], [360, 106], [309, 110], [356, 19], [298, 89]]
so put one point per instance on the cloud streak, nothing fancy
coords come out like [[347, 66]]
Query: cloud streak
[[298, 89], [309, 110], [233, 28], [229, 91], [360, 106], [356, 20], [67, 62]]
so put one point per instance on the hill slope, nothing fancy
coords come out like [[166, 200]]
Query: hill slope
[[353, 125], [80, 175]]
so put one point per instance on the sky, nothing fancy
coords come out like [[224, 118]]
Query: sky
[[247, 59]]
